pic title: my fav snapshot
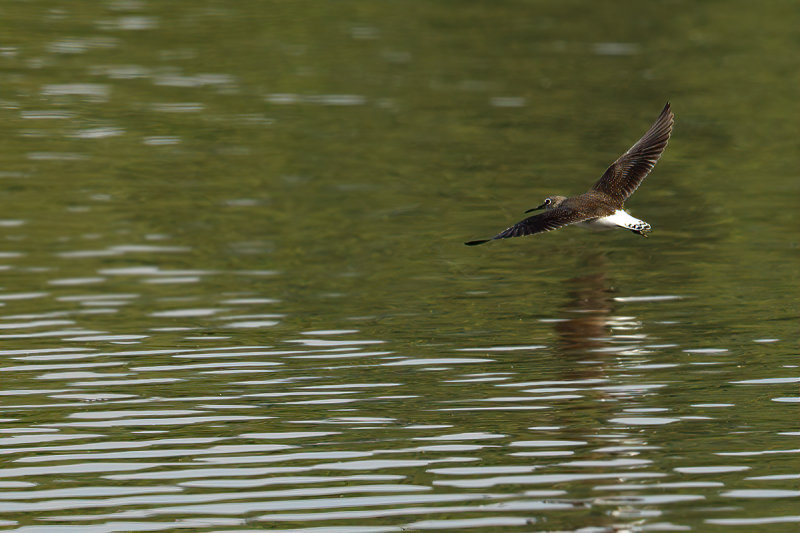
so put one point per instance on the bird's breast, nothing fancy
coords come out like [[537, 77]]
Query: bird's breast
[[598, 224]]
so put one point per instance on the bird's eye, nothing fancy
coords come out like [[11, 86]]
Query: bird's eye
[[547, 201]]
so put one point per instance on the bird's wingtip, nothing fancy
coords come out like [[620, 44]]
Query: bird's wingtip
[[475, 243]]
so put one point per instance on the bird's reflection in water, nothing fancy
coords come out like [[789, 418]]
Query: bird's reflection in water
[[584, 323], [583, 330], [588, 350]]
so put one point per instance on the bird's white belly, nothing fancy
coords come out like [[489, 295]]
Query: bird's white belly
[[619, 219]]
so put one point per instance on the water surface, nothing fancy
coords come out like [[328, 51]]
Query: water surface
[[234, 292]]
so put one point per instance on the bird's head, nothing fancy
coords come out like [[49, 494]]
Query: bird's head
[[551, 202]]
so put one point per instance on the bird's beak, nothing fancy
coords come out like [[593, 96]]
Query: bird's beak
[[535, 208]]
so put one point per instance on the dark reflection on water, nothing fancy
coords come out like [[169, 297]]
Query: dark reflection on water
[[589, 306], [234, 294]]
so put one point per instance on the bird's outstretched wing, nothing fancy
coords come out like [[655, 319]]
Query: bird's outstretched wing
[[547, 221], [624, 176]]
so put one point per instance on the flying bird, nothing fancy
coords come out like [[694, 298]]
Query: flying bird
[[601, 207]]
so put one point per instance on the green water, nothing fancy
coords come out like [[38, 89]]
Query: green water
[[235, 294]]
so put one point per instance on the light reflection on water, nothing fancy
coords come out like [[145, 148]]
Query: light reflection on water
[[126, 430]]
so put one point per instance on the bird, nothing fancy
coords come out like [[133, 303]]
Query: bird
[[601, 207]]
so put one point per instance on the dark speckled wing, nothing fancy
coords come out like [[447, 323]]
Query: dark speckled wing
[[624, 176], [547, 221]]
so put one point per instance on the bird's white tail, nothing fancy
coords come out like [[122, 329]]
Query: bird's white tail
[[624, 220], [618, 219]]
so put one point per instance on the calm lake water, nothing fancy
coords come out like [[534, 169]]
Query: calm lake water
[[235, 295]]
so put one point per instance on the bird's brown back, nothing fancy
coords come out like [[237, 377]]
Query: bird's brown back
[[592, 204]]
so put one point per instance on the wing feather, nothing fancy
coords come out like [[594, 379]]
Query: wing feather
[[547, 221], [625, 175]]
